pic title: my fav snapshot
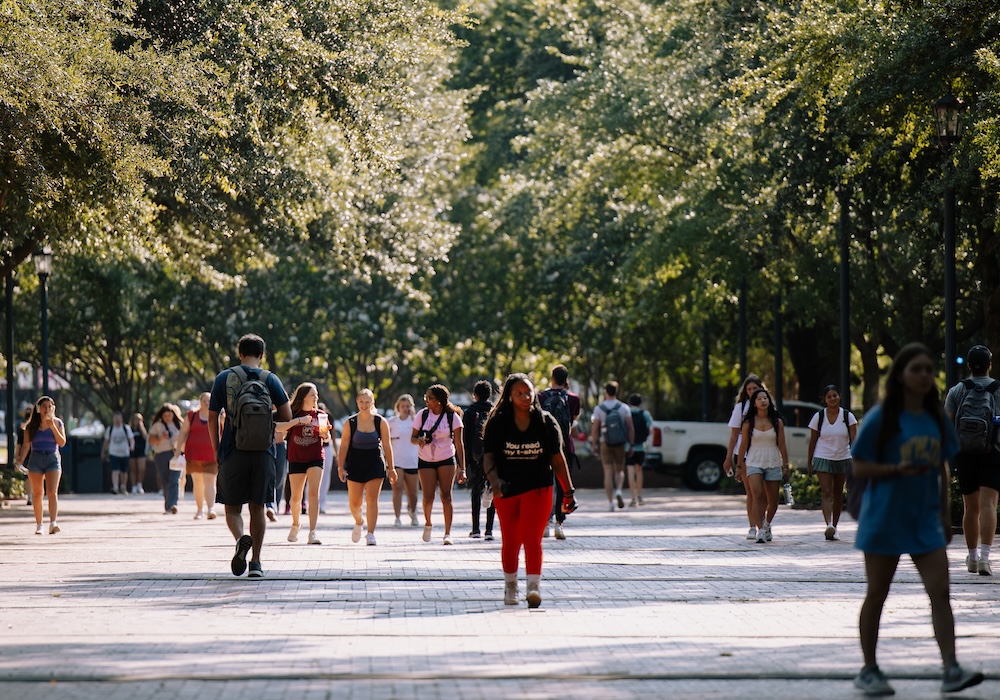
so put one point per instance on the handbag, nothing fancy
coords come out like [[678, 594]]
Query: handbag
[[178, 463]]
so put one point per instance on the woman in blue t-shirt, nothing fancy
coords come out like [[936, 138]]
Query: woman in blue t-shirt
[[903, 449], [522, 444]]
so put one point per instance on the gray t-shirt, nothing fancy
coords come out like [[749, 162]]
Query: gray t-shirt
[[958, 392]]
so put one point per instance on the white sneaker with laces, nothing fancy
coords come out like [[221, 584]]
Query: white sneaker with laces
[[53, 528], [370, 539], [830, 532], [398, 523], [199, 515], [313, 538], [293, 533], [761, 536], [984, 567], [767, 531], [611, 506], [510, 593], [447, 539], [534, 596], [356, 532], [413, 519], [548, 530], [560, 535], [972, 565], [38, 530], [752, 533]]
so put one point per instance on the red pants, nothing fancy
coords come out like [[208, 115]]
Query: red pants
[[522, 520]]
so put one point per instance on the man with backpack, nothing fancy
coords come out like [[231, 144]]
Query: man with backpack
[[641, 422], [245, 448], [472, 435], [564, 405], [972, 405], [612, 434]]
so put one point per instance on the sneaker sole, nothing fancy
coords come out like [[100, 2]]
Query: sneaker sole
[[829, 533], [534, 599], [974, 679], [621, 501], [255, 573], [239, 563]]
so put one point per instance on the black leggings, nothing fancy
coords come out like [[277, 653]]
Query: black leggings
[[478, 484]]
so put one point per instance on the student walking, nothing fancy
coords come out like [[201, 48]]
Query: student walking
[[522, 448], [740, 408], [163, 436], [117, 449], [978, 460], [833, 431], [437, 433], [611, 433], [44, 435], [196, 446], [137, 458], [902, 450], [246, 469], [565, 406], [363, 462], [404, 458], [472, 422], [305, 456], [641, 422], [765, 462]]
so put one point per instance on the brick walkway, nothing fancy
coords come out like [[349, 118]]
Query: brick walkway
[[664, 600]]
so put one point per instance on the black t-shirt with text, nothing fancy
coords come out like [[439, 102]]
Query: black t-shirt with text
[[523, 458]]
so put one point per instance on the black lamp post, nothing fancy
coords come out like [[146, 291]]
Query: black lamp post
[[43, 266], [947, 111]]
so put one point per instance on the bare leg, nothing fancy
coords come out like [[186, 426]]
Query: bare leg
[[234, 521], [258, 526], [446, 479], [210, 490], [397, 497], [428, 482], [933, 569], [314, 477], [879, 570], [411, 482], [298, 484], [755, 486], [838, 496], [37, 482], [609, 479], [987, 514], [970, 521], [826, 495], [372, 490], [52, 489], [741, 471], [198, 480], [355, 496], [771, 492]]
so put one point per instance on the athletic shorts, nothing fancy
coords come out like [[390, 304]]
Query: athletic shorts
[[303, 467], [246, 477], [118, 464], [975, 471], [424, 464], [365, 465], [636, 458]]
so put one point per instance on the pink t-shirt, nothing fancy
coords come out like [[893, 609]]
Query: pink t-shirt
[[443, 446]]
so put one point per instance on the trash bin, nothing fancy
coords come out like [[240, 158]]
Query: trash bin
[[87, 474]]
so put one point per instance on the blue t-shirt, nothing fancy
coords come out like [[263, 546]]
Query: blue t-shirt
[[227, 443], [902, 514]]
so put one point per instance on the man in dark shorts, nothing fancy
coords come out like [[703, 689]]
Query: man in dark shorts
[[245, 477], [978, 474]]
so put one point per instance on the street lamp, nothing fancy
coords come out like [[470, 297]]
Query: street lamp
[[43, 266], [947, 112]]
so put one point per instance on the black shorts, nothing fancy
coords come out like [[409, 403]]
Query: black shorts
[[246, 477], [424, 464], [636, 458], [975, 471], [365, 465], [303, 467]]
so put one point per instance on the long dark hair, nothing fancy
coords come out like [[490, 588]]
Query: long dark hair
[[892, 402], [751, 416], [31, 427], [172, 410], [503, 409], [443, 396]]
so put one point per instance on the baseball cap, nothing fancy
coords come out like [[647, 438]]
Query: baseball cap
[[979, 358]]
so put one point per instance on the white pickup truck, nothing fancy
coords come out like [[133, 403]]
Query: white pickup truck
[[696, 450]]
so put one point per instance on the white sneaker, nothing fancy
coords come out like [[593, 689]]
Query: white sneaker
[[199, 515], [293, 533], [356, 532], [53, 528], [972, 565], [548, 530], [313, 538], [560, 535], [38, 530], [611, 506], [830, 533], [212, 515], [140, 490], [398, 523], [761, 536], [447, 539], [984, 567], [370, 539], [510, 593], [752, 533], [413, 519], [427, 533], [271, 515], [767, 531]]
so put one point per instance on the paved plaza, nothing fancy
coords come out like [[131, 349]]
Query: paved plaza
[[666, 600]]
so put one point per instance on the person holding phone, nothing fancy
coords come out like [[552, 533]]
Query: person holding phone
[[903, 449], [44, 434]]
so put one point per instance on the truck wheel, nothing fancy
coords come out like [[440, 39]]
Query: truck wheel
[[704, 471]]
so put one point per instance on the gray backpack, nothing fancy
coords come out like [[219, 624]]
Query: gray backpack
[[615, 432], [974, 418], [249, 410]]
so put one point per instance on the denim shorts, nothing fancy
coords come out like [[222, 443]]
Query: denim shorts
[[43, 461], [769, 473]]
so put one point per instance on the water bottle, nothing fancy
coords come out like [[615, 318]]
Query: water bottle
[[789, 501], [21, 469], [487, 496]]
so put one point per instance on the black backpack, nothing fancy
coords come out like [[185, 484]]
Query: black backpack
[[249, 411], [974, 418], [821, 419], [640, 426], [557, 404]]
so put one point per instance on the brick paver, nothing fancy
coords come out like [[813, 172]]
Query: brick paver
[[664, 600]]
